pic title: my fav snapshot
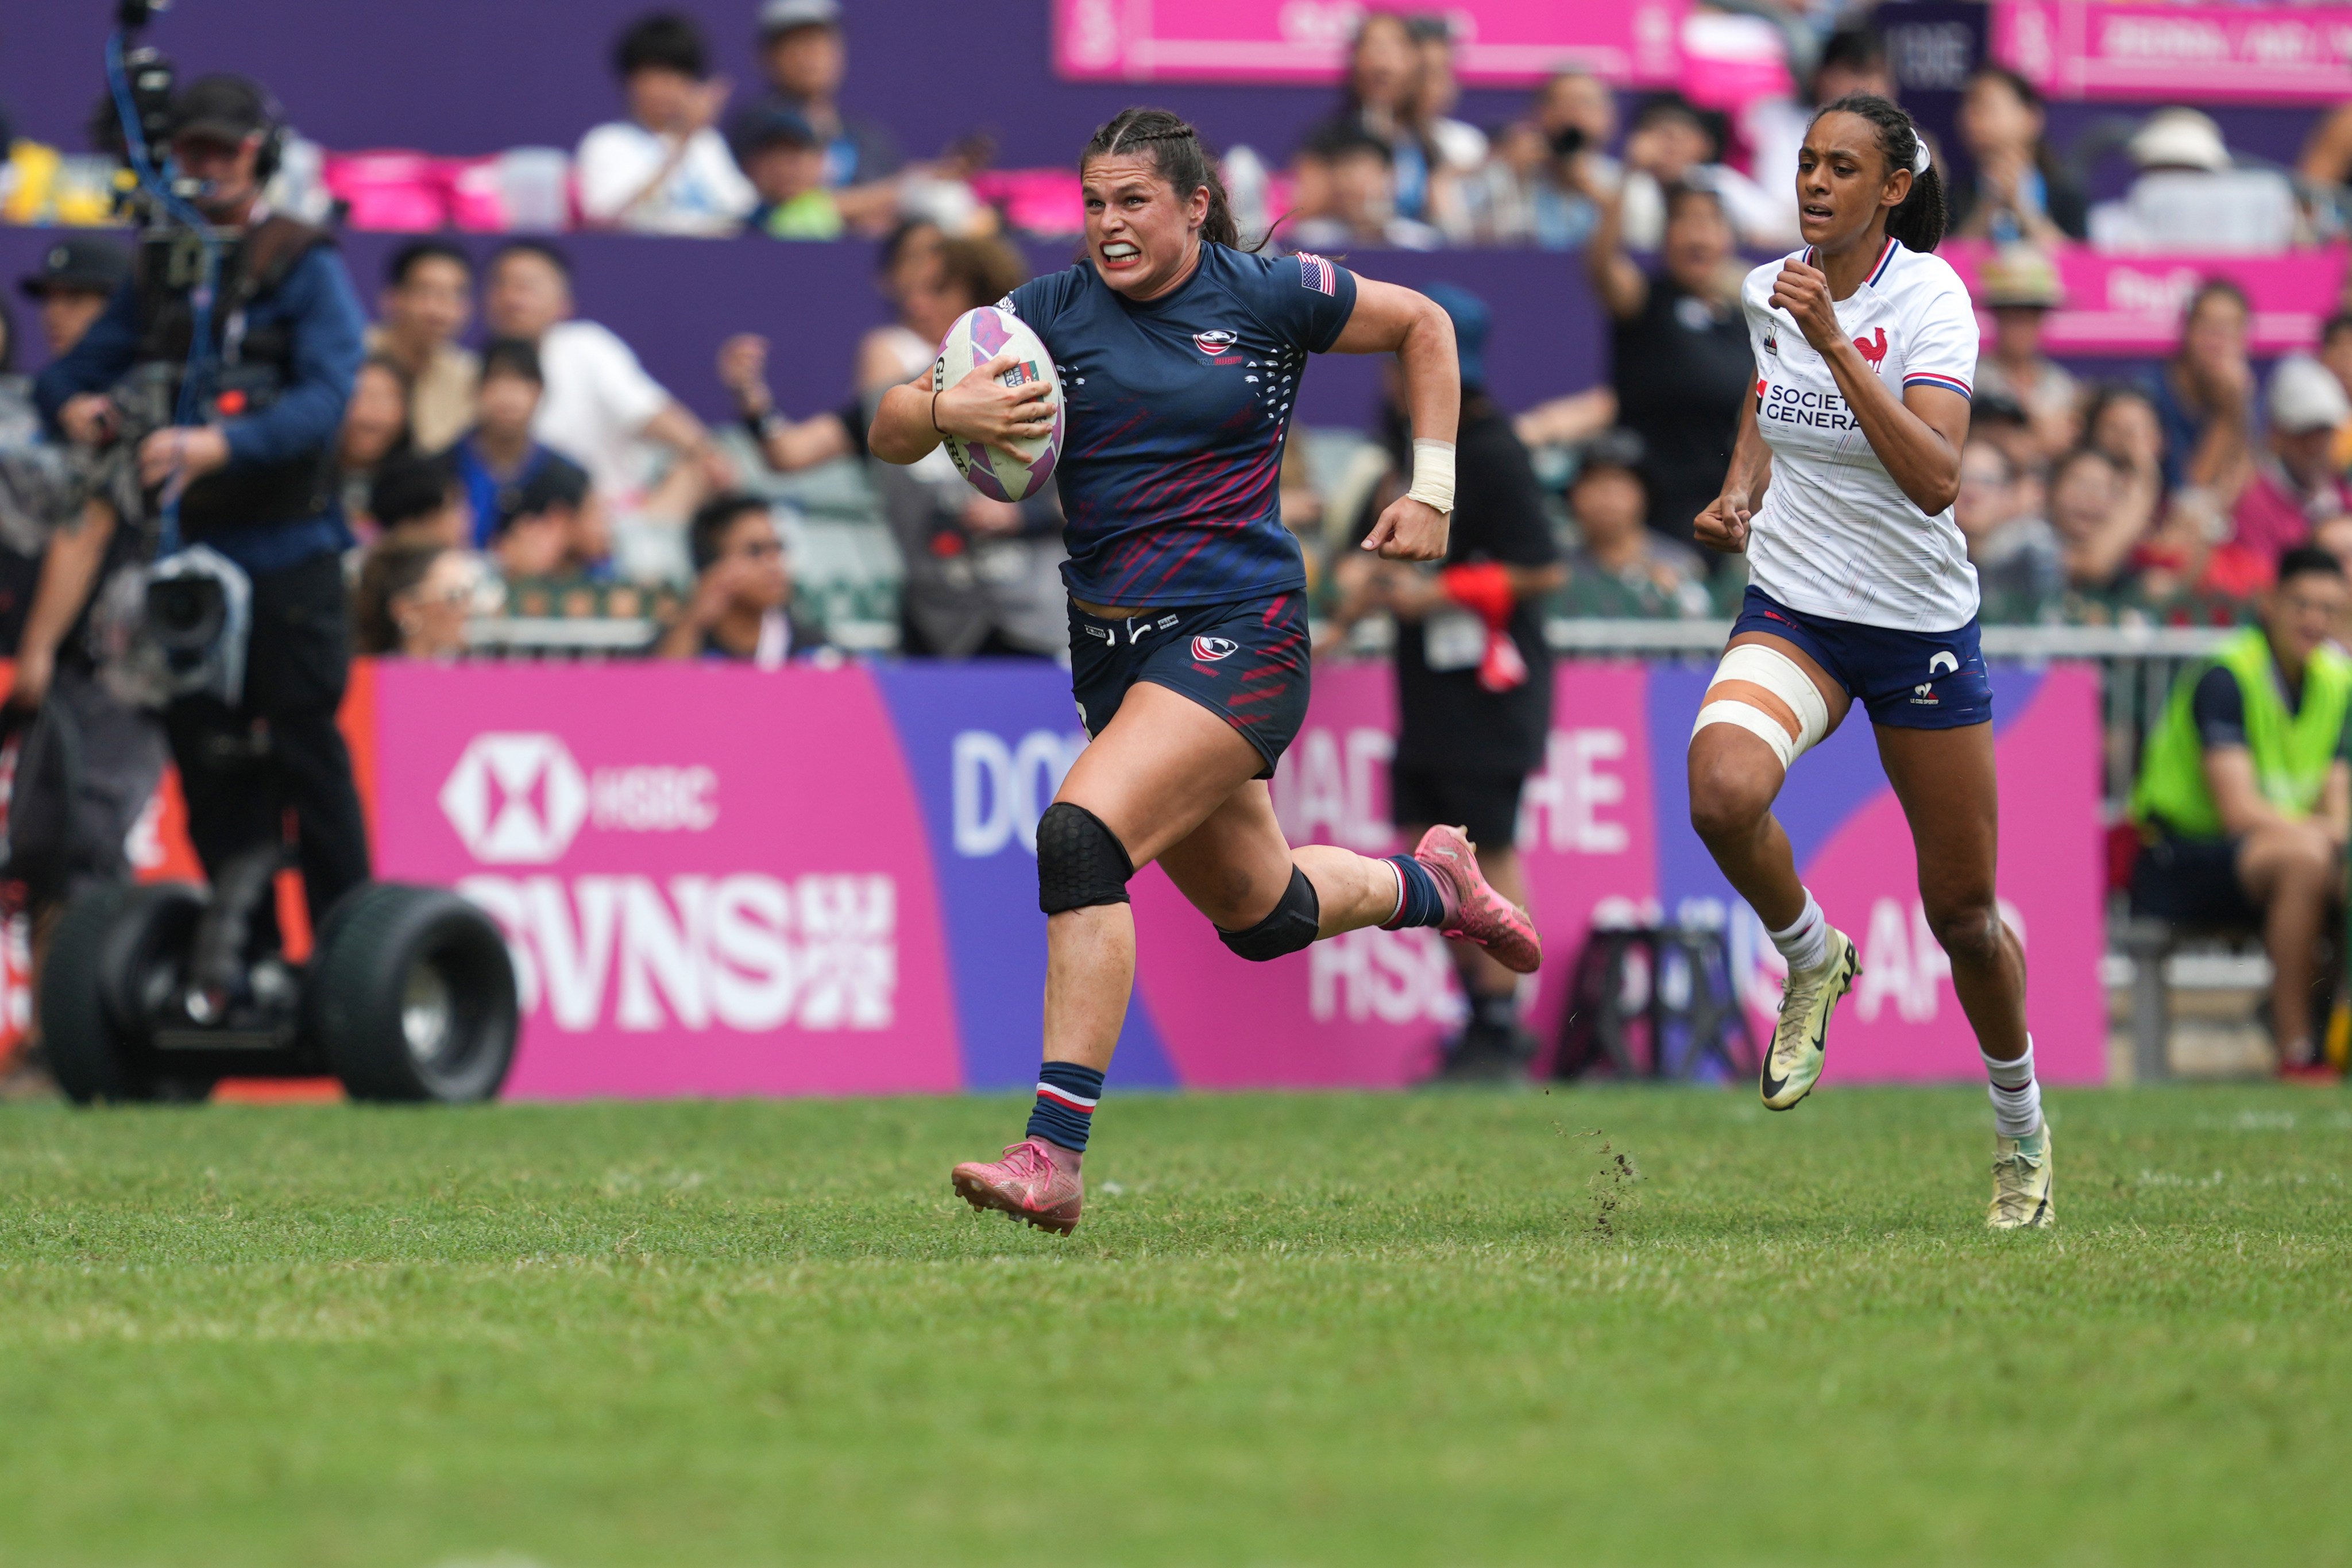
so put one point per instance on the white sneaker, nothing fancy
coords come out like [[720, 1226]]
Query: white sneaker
[[2021, 1182]]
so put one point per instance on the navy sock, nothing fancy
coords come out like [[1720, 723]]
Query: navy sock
[[1422, 904], [1064, 1111]]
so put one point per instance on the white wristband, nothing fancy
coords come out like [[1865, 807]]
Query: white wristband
[[1433, 475]]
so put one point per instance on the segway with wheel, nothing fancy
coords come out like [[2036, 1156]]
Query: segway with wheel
[[153, 994]]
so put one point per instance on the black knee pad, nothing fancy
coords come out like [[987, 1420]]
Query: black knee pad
[[1289, 929], [1080, 863]]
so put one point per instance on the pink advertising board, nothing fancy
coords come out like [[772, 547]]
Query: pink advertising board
[[2132, 304], [725, 882], [2248, 54], [1502, 42]]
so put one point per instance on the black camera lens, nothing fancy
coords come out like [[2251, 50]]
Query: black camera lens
[[1567, 142], [186, 614]]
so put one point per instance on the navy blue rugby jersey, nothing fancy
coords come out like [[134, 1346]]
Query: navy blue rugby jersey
[[1177, 411]]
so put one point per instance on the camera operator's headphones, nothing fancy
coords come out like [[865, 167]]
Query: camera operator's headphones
[[272, 155]]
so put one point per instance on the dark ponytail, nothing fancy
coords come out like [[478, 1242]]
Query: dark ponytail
[[1179, 158], [1919, 221]]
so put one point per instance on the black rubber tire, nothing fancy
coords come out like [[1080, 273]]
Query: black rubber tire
[[103, 964], [378, 942]]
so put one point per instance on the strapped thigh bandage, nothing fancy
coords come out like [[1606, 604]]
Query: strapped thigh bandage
[[1766, 693]]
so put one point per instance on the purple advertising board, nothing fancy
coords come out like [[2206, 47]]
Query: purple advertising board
[[1497, 42], [723, 882]]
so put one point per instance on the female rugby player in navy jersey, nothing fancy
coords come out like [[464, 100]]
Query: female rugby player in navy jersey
[[1860, 591], [1179, 356]]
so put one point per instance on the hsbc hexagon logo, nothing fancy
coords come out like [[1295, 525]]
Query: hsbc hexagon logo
[[516, 799]]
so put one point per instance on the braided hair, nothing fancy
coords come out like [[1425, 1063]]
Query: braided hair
[[1178, 157], [1918, 222]]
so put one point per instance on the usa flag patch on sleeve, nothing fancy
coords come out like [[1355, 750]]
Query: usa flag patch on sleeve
[[1317, 274]]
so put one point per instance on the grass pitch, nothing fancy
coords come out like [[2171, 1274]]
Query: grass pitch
[[1313, 1329]]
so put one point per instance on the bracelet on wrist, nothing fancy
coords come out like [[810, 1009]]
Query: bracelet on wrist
[[934, 414]]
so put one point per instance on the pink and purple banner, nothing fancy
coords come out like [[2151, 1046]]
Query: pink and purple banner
[[2133, 304], [2246, 53], [724, 881], [1501, 43]]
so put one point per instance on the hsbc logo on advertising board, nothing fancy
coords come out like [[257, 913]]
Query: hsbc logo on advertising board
[[746, 951], [519, 799]]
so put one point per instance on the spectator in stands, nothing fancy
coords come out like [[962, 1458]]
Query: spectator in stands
[[2122, 422], [375, 429], [1672, 143], [1679, 352], [2205, 398], [413, 599], [500, 456], [2001, 419], [77, 275], [742, 608], [2294, 484], [982, 576], [2019, 286], [1620, 568], [419, 500], [2098, 519], [1382, 85], [1533, 190], [1457, 149], [2021, 192], [665, 169], [604, 412], [2336, 354], [2326, 166], [1851, 59], [907, 271], [427, 301], [1358, 178], [2015, 553], [2191, 194], [801, 49], [548, 534], [1474, 680], [2244, 798], [782, 154]]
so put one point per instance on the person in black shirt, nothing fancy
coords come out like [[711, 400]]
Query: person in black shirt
[[1474, 680], [1679, 349]]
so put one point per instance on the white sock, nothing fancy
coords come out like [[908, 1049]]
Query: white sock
[[1806, 943], [2016, 1096]]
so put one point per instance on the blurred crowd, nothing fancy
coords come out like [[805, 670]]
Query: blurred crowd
[[504, 460]]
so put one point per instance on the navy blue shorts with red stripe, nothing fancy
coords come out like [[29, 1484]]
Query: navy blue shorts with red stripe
[[1247, 662]]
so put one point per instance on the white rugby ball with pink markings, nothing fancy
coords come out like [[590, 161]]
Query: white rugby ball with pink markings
[[1018, 470]]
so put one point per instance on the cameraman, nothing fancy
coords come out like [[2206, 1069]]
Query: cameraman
[[254, 482]]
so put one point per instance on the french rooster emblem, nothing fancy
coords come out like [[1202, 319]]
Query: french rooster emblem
[[1873, 350]]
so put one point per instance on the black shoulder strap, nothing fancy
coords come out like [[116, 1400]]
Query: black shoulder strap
[[272, 251]]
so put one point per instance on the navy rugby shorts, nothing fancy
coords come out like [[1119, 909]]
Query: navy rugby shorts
[[1245, 662], [1906, 680]]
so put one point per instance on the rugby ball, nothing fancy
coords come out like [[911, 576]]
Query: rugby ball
[[1013, 472]]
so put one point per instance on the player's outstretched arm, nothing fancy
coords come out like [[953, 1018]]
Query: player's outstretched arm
[[1390, 319], [912, 418]]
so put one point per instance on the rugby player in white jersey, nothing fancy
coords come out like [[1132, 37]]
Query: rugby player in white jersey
[[1840, 493]]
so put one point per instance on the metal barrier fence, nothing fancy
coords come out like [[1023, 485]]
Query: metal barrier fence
[[2137, 665]]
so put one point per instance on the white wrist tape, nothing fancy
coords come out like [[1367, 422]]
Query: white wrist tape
[[1765, 692], [1433, 475]]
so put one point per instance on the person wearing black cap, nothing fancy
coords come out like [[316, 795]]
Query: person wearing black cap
[[255, 478], [786, 161], [71, 288], [1474, 678], [1620, 569], [803, 55]]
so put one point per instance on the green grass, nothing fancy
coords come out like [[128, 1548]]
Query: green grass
[[1312, 1329]]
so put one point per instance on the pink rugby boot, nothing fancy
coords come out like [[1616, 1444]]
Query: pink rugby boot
[[1027, 1184], [1476, 911]]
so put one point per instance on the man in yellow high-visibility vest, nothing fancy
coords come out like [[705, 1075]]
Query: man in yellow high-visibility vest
[[2244, 799]]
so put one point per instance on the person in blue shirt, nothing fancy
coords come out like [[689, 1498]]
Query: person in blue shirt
[[256, 481], [498, 457], [1179, 356]]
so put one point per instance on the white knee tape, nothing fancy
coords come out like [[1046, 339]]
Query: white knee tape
[[1765, 692]]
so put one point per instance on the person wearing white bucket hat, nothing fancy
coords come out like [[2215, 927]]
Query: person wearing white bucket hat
[[2294, 486]]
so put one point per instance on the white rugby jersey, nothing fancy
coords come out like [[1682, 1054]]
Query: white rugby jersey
[[1837, 536]]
